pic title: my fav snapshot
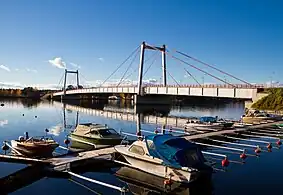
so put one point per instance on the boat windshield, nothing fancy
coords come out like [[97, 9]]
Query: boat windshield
[[105, 132]]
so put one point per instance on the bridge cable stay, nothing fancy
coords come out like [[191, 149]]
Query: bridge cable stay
[[83, 77], [192, 76], [206, 64], [120, 65], [169, 72], [58, 86], [130, 65], [180, 60], [153, 61], [129, 75], [174, 57]]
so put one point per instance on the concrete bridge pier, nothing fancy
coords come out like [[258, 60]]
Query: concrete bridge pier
[[152, 100]]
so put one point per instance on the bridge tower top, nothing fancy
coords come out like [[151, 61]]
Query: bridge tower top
[[65, 78], [162, 49]]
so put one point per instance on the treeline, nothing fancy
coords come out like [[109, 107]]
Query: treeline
[[26, 92], [273, 101]]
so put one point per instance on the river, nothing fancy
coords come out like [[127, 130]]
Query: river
[[258, 176]]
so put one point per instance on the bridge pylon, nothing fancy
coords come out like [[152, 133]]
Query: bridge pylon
[[162, 49], [65, 78]]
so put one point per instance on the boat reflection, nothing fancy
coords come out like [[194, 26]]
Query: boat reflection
[[146, 184]]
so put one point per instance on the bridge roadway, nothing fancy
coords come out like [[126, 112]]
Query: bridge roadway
[[221, 91]]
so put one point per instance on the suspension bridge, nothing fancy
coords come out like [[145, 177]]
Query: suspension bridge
[[161, 93]]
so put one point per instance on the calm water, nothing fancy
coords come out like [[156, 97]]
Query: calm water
[[258, 176]]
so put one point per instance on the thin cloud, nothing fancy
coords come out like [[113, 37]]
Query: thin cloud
[[58, 62], [31, 70], [16, 69], [101, 59], [75, 65], [5, 68], [3, 122]]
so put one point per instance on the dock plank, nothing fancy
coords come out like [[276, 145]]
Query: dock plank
[[57, 161], [203, 135]]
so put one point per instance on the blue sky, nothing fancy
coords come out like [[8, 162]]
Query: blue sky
[[244, 38]]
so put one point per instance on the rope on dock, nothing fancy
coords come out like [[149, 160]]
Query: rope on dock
[[98, 182]]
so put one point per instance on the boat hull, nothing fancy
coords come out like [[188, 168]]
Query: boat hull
[[34, 149], [155, 167], [98, 141]]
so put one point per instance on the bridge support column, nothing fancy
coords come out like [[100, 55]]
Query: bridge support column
[[164, 65], [141, 69]]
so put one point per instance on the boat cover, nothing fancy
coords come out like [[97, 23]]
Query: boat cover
[[174, 151], [207, 119]]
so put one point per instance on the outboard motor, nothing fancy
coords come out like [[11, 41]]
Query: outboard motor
[[26, 134]]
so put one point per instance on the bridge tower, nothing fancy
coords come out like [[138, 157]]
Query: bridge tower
[[162, 49], [65, 78]]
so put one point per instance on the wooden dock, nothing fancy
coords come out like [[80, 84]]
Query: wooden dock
[[75, 157], [214, 133]]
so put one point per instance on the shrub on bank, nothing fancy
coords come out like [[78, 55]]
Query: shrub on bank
[[273, 101]]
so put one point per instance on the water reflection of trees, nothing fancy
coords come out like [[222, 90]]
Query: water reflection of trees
[[30, 103]]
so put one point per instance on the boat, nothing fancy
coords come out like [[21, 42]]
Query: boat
[[34, 146], [167, 156], [97, 134], [208, 122], [257, 116]]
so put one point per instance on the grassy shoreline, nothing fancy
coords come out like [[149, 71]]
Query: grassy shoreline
[[272, 102]]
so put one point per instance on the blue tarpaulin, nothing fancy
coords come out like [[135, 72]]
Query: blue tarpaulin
[[174, 151]]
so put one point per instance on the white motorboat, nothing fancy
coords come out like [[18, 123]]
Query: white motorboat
[[208, 123], [167, 156]]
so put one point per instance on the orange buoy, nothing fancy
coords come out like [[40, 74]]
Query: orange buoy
[[243, 156], [269, 146], [279, 143], [225, 162], [167, 182], [257, 150]]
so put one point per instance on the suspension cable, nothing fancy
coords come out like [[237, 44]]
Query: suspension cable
[[127, 69], [201, 70], [192, 76], [58, 86], [206, 64], [193, 66], [129, 75], [121, 65], [154, 60]]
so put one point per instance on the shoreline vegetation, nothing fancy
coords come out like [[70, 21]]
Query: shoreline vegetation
[[28, 92], [273, 101]]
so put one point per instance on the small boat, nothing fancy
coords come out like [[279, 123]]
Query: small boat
[[168, 157], [96, 134], [257, 116], [34, 146], [208, 122]]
